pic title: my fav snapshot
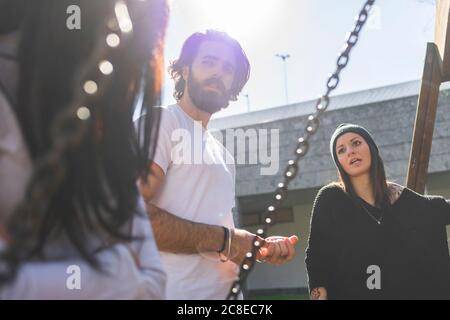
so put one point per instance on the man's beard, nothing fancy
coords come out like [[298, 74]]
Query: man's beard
[[207, 100]]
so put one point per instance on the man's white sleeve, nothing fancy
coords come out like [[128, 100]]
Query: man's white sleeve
[[163, 148]]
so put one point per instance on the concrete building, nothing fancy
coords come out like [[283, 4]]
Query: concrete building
[[387, 112]]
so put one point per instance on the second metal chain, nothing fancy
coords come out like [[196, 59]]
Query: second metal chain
[[301, 149]]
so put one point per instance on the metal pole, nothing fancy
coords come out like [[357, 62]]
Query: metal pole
[[248, 102], [284, 57]]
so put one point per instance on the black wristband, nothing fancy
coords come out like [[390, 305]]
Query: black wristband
[[226, 235]]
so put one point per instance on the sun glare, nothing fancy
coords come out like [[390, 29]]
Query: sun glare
[[239, 18]]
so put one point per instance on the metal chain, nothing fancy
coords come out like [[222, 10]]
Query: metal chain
[[301, 149]]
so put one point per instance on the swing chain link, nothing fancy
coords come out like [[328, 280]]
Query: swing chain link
[[301, 150]]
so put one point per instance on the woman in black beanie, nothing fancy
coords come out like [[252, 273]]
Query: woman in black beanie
[[373, 239]]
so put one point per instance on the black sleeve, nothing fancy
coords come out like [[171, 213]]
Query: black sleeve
[[441, 209], [447, 213], [320, 254]]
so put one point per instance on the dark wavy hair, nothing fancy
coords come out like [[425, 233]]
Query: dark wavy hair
[[85, 171], [189, 52]]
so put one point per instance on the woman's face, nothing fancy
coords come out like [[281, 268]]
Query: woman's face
[[353, 154]]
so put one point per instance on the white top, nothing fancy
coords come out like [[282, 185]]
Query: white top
[[199, 189], [120, 277], [15, 163], [125, 280]]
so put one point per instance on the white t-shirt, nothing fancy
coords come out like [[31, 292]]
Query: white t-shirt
[[199, 189], [120, 277]]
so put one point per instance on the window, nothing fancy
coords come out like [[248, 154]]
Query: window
[[283, 215]]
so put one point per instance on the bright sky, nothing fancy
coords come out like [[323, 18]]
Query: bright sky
[[391, 48]]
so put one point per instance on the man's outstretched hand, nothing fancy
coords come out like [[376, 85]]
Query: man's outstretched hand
[[275, 250], [278, 250]]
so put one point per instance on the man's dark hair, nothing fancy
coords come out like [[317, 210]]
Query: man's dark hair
[[190, 50]]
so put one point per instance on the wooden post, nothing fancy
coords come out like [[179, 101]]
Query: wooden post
[[442, 36], [436, 70], [425, 118]]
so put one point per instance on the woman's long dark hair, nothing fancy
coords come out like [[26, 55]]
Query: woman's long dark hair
[[84, 181], [377, 179]]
